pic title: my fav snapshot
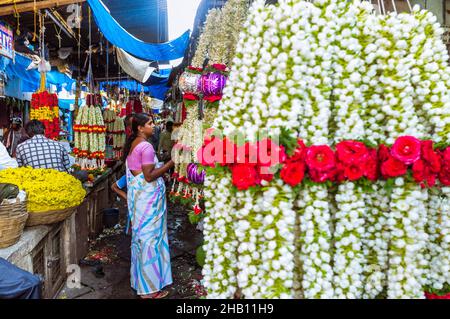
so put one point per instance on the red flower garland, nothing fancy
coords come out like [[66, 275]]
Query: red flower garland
[[253, 163]]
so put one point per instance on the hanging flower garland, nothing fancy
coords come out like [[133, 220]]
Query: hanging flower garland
[[406, 169], [221, 276], [90, 135], [44, 107]]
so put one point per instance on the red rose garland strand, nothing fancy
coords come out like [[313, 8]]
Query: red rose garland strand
[[351, 161]]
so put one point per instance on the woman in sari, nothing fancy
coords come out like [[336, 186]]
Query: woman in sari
[[150, 258]]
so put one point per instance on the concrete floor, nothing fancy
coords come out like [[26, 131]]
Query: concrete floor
[[184, 239]]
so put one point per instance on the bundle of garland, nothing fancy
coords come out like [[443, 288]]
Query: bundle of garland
[[329, 172], [44, 107], [202, 91], [90, 131]]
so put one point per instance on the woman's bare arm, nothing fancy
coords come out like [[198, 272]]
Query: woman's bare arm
[[151, 173]]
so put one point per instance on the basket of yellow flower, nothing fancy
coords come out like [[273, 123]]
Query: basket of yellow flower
[[12, 222], [52, 196]]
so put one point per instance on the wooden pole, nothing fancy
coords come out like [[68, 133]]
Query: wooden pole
[[29, 6]]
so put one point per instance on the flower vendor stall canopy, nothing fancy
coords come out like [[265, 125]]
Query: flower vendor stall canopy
[[121, 38], [31, 79], [156, 90], [136, 68]]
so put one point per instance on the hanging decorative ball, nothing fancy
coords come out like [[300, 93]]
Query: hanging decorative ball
[[212, 84], [194, 175], [189, 82]]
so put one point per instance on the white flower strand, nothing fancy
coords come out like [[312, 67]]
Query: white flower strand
[[439, 241], [376, 237], [349, 231], [236, 98], [220, 270], [266, 249], [316, 254], [407, 233], [408, 241]]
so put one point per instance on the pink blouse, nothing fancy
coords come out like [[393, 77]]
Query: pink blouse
[[142, 154]]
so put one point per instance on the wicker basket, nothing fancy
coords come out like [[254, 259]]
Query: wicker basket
[[50, 217], [12, 222]]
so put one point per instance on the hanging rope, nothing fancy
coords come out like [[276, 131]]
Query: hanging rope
[[58, 36], [90, 75], [17, 16], [35, 14], [42, 54]]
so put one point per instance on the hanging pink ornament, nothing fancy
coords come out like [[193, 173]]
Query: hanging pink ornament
[[194, 175], [212, 84]]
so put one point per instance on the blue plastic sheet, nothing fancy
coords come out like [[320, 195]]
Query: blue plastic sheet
[[155, 90], [31, 79], [118, 36], [16, 283]]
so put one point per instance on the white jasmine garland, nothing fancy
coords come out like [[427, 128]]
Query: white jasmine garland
[[439, 241], [349, 232], [220, 237]]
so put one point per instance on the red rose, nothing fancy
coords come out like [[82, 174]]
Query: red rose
[[393, 168], [353, 172], [190, 97], [444, 175], [244, 176], [383, 153], [195, 69], [265, 174], [431, 157], [323, 176], [299, 153], [213, 98], [351, 152], [406, 149], [446, 155], [419, 171], [219, 67], [371, 165], [269, 153], [320, 158], [292, 173]]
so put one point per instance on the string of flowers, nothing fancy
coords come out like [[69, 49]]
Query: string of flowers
[[314, 209], [349, 231], [207, 37], [231, 242], [407, 235], [375, 242], [220, 242]]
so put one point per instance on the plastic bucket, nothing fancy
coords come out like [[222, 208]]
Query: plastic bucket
[[110, 217]]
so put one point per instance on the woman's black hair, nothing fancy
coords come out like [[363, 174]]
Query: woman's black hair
[[139, 119]]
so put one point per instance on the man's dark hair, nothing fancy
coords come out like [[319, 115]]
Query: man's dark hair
[[169, 125], [35, 127]]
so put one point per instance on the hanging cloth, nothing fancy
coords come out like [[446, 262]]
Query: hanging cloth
[[136, 68], [121, 38]]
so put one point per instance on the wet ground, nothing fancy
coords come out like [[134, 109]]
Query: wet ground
[[105, 272]]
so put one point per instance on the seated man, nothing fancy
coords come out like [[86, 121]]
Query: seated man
[[41, 152]]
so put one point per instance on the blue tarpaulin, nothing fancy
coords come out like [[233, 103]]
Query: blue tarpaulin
[[31, 79], [16, 283], [121, 38], [155, 90]]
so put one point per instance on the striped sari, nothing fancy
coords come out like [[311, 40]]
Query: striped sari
[[150, 256]]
